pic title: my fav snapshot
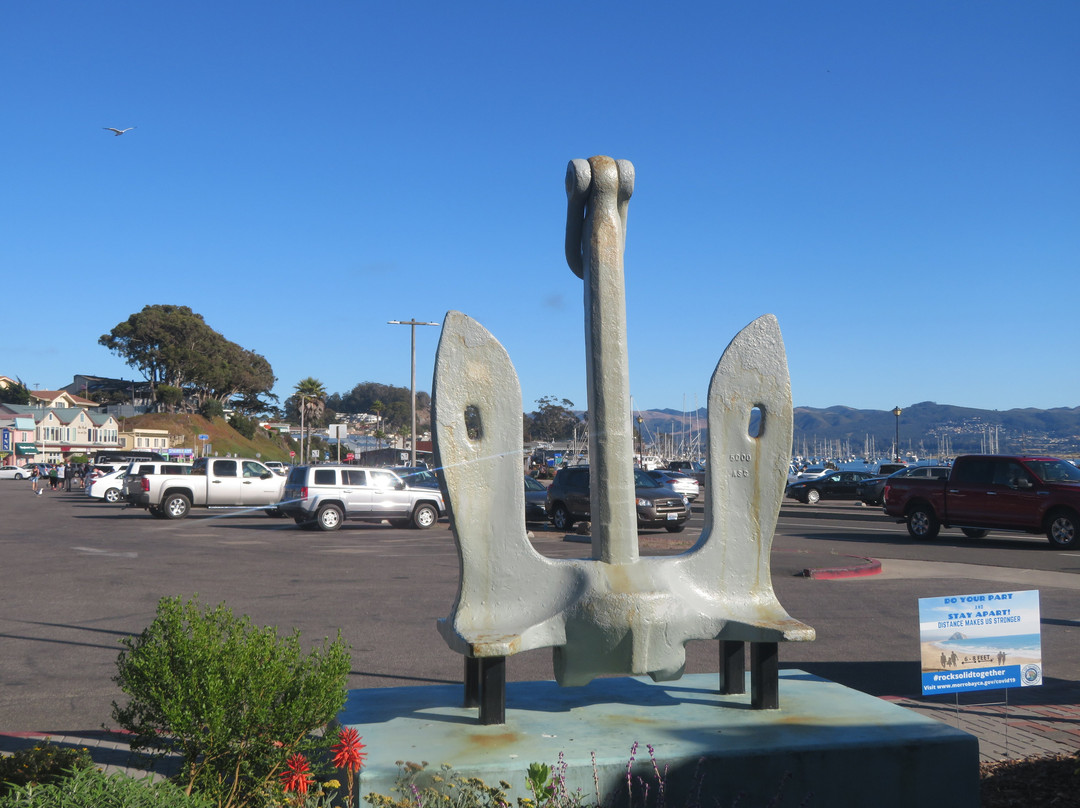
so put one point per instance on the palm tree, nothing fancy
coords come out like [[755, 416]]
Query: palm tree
[[377, 407], [312, 401]]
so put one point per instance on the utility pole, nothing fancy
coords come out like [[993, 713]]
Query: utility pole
[[412, 380]]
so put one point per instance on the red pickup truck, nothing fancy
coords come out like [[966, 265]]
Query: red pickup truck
[[992, 492]]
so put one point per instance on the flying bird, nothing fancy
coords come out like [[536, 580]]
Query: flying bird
[[118, 132]]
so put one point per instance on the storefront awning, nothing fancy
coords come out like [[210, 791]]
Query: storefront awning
[[26, 449]]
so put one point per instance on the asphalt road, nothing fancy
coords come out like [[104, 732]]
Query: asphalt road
[[79, 575]]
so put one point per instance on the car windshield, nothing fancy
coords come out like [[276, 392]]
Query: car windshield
[[1054, 471], [533, 485], [643, 480]]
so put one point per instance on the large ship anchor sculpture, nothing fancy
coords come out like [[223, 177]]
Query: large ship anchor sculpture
[[616, 612]]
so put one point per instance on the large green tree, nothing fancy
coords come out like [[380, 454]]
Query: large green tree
[[551, 420], [14, 393], [395, 410], [173, 346]]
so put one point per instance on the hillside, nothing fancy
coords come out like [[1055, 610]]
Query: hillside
[[223, 439], [926, 429]]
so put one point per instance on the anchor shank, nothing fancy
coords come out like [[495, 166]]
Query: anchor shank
[[611, 440]]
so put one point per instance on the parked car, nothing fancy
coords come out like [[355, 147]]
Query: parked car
[[686, 466], [235, 483], [834, 485], [324, 496], [993, 492], [132, 489], [277, 467], [657, 506], [107, 487], [416, 476], [678, 482], [535, 500], [885, 469], [870, 490], [14, 473], [691, 468]]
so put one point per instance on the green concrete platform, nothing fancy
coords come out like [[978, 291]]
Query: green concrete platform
[[827, 745]]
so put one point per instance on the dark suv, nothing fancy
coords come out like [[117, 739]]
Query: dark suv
[[657, 506]]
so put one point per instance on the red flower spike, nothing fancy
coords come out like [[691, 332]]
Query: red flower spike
[[347, 754], [297, 776]]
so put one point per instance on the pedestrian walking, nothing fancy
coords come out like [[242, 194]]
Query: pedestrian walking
[[61, 475], [54, 477], [35, 479]]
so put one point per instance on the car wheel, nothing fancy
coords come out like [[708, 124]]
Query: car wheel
[[973, 532], [424, 516], [176, 506], [112, 495], [329, 517], [813, 496], [674, 528], [922, 523], [18, 476], [1061, 529], [560, 518]]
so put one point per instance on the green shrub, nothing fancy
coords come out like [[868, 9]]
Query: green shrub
[[45, 762], [90, 788], [233, 700], [243, 424], [212, 409]]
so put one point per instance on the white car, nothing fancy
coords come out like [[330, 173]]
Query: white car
[[108, 487], [14, 473], [678, 482]]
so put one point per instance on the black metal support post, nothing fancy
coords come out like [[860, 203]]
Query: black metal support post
[[732, 667], [493, 690], [764, 676], [472, 682]]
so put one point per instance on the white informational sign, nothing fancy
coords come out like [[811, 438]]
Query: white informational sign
[[980, 642]]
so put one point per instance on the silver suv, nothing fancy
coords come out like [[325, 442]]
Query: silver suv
[[324, 496]]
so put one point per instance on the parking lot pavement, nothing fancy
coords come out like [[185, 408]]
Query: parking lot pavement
[[80, 575]]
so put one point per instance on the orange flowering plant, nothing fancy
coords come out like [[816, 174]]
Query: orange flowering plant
[[297, 775], [349, 755]]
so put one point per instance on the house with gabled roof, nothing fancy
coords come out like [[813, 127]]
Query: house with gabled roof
[[61, 432], [59, 398]]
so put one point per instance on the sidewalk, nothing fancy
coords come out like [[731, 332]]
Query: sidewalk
[[1013, 723]]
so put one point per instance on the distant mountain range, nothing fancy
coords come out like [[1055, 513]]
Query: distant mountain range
[[926, 429]]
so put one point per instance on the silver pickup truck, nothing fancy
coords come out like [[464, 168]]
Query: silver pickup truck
[[214, 482]]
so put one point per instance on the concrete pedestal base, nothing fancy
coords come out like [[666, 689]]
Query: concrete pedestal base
[[827, 745]]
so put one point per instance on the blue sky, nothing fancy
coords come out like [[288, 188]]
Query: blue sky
[[899, 183]]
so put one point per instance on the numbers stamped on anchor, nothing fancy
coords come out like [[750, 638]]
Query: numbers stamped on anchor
[[740, 457]]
